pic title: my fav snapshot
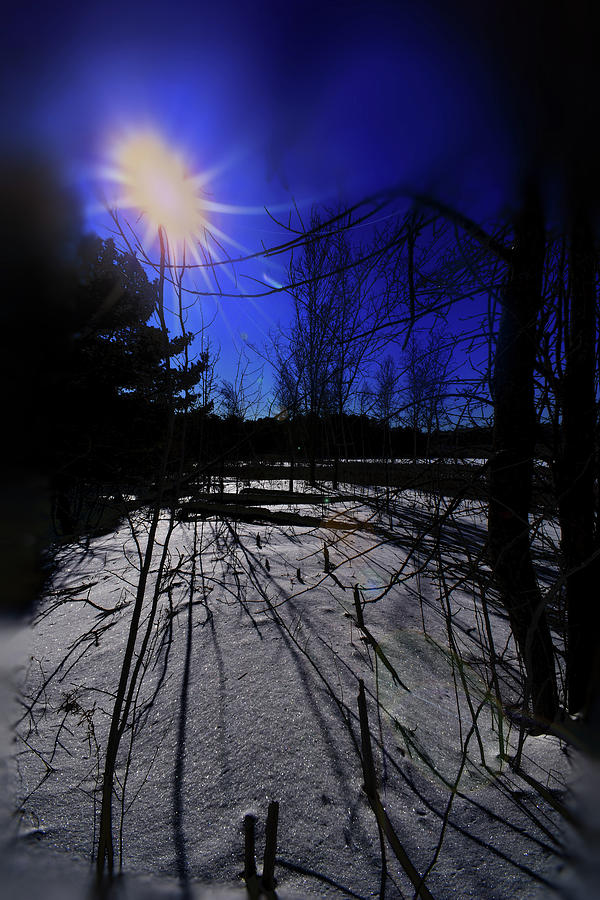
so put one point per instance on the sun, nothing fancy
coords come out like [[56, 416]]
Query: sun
[[145, 174], [154, 179], [160, 187]]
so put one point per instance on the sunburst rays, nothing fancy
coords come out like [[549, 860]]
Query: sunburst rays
[[154, 181]]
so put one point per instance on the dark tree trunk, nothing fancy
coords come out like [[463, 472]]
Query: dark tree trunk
[[577, 473], [511, 468], [312, 449], [312, 469], [292, 459]]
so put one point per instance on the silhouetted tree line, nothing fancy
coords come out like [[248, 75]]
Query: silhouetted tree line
[[364, 437]]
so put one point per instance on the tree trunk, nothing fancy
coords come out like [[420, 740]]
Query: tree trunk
[[511, 468], [292, 459], [577, 474], [312, 449]]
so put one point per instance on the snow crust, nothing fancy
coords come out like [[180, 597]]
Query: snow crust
[[249, 694]]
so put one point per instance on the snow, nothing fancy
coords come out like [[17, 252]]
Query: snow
[[250, 695]]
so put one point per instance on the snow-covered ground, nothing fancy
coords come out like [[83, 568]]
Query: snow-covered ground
[[249, 694]]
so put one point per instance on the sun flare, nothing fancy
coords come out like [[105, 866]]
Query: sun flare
[[146, 175], [154, 179]]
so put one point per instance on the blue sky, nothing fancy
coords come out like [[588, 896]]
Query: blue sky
[[289, 102]]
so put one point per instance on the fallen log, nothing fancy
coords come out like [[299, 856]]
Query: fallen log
[[205, 510]]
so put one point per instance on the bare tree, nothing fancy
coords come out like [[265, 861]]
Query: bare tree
[[567, 387], [426, 377], [241, 396], [385, 398], [337, 319], [579, 471]]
